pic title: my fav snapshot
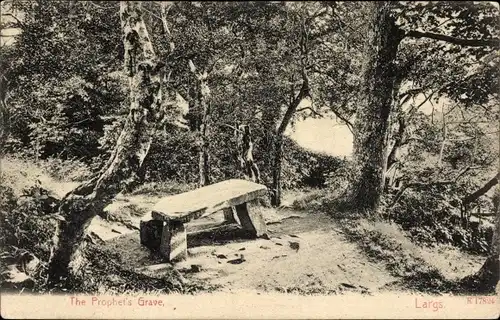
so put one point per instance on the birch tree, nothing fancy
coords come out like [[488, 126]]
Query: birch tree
[[81, 205]]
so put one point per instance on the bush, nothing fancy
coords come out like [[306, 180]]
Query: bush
[[28, 225], [303, 168], [431, 216], [340, 179], [26, 236], [172, 156]]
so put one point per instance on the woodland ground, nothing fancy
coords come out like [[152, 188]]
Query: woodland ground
[[307, 251]]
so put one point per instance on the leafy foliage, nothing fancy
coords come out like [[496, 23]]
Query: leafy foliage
[[60, 85], [431, 217]]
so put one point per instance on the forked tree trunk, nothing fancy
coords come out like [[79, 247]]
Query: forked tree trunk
[[83, 203], [244, 145], [372, 117]]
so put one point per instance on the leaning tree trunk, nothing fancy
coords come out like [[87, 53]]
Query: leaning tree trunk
[[372, 118], [82, 204], [481, 191], [278, 139]]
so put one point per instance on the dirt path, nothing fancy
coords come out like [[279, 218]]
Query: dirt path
[[306, 253]]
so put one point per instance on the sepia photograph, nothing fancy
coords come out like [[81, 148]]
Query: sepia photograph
[[250, 159]]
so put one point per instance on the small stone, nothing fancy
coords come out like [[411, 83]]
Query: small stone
[[294, 245], [239, 260], [195, 268]]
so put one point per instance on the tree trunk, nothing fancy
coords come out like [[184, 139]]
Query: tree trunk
[[486, 279], [204, 164], [203, 155], [244, 145], [372, 118], [443, 142], [202, 103], [277, 159], [81, 205], [278, 137], [4, 112], [398, 143]]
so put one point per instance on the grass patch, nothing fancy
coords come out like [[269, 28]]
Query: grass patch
[[163, 188], [383, 241], [107, 273], [318, 291], [19, 175]]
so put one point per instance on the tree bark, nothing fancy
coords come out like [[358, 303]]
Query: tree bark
[[277, 161], [372, 118], [204, 157], [82, 204], [202, 106], [245, 154], [4, 112]]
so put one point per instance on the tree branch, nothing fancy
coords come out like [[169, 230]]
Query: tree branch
[[348, 123], [481, 191], [14, 17], [495, 43], [304, 92], [413, 110], [419, 185], [427, 184], [312, 110]]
